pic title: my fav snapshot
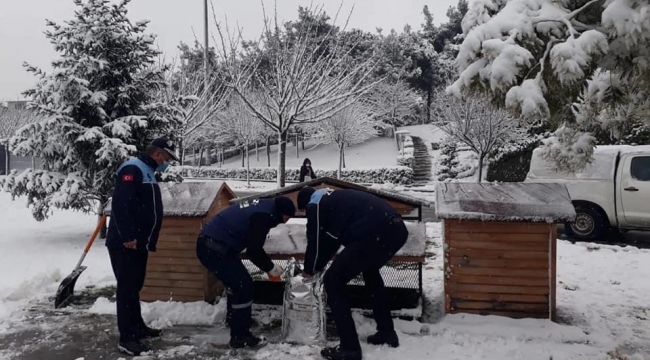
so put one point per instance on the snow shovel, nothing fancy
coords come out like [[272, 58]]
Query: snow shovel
[[66, 288]]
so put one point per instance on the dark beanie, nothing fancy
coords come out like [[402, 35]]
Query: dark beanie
[[304, 195], [285, 206]]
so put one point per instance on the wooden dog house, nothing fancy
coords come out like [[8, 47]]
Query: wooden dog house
[[500, 246], [173, 271], [402, 276]]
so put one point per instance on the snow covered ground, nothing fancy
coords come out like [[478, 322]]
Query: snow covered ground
[[374, 153], [602, 305]]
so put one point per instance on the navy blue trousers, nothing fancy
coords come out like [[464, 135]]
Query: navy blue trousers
[[365, 257], [129, 267], [226, 265]]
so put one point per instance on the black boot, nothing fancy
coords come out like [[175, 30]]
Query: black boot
[[249, 341], [389, 339], [148, 333], [338, 353], [133, 348]]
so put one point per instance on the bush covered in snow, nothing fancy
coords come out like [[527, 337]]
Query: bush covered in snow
[[400, 175], [576, 64], [447, 161]]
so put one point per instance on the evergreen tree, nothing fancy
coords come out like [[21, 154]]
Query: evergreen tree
[[97, 108]]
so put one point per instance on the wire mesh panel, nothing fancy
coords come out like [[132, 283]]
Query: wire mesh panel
[[402, 280]]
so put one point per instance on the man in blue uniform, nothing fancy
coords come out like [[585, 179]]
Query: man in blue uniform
[[223, 238], [136, 216], [371, 232]]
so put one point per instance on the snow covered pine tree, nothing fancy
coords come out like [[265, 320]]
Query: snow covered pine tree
[[578, 64], [97, 109]]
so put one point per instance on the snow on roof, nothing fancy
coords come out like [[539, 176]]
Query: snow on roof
[[186, 199], [533, 202], [340, 183], [292, 239]]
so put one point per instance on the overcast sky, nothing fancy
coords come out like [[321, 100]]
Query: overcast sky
[[22, 23]]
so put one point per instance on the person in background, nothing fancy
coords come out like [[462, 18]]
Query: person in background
[[223, 238], [306, 171], [372, 232], [136, 216]]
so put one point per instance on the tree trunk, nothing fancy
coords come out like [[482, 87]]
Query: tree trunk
[[343, 152], [33, 162], [282, 158], [297, 148], [7, 160], [243, 156], [201, 156], [268, 151], [248, 167], [429, 95], [303, 142], [395, 136], [480, 166], [257, 151], [338, 171]]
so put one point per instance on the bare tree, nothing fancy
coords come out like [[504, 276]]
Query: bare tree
[[201, 99], [300, 79], [353, 125], [476, 124], [393, 101], [240, 125], [10, 121]]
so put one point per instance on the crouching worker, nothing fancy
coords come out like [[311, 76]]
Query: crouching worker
[[239, 227], [371, 232]]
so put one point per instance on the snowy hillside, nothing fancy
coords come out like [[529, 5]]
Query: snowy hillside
[[374, 153]]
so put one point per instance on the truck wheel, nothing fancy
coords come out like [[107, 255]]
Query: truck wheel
[[590, 225]]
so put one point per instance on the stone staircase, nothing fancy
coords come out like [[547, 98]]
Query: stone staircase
[[421, 162]]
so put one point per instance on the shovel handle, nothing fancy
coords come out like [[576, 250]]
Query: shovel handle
[[98, 228]]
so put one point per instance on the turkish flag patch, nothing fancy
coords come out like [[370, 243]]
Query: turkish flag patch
[[127, 177]]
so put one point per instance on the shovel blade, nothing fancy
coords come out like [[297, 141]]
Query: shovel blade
[[66, 288]]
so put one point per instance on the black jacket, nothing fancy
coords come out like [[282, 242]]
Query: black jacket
[[136, 206], [245, 226], [305, 171], [341, 218]]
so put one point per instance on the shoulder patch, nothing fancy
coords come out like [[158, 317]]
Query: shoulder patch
[[127, 177]]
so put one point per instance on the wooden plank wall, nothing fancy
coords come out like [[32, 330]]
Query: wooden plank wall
[[499, 268], [173, 271]]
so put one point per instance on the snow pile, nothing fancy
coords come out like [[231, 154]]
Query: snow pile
[[189, 199], [161, 314], [292, 239], [547, 202], [36, 256]]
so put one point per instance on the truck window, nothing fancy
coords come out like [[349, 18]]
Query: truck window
[[640, 168]]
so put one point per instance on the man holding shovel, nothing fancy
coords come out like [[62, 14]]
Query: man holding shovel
[[136, 216]]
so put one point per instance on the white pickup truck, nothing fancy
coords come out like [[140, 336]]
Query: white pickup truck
[[613, 192]]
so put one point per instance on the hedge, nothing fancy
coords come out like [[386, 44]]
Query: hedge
[[400, 175]]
